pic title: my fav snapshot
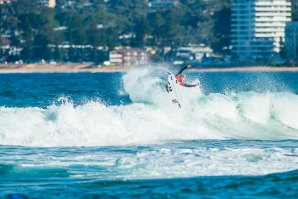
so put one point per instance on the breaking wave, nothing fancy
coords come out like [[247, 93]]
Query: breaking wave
[[151, 117]]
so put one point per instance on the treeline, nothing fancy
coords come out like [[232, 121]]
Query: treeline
[[33, 28], [74, 32]]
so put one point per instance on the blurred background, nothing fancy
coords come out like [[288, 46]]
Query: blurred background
[[204, 33]]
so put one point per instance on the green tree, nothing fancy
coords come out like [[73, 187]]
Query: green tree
[[156, 22], [222, 28], [141, 28], [34, 28], [76, 32], [294, 10], [25, 6], [172, 31]]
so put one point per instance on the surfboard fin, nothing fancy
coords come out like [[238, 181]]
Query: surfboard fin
[[175, 101]]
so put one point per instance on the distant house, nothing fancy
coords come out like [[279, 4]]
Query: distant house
[[161, 3], [5, 1], [292, 40], [191, 54], [5, 42], [47, 3], [199, 51], [129, 57]]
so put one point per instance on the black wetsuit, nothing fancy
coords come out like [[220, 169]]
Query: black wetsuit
[[178, 77]]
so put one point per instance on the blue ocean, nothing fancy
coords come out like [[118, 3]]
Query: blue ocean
[[118, 135]]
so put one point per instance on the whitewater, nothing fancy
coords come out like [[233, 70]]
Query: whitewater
[[151, 118], [118, 135]]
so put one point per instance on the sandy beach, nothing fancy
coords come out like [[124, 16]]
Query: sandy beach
[[58, 68], [87, 67]]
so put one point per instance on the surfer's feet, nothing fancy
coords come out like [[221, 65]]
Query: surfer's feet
[[175, 101]]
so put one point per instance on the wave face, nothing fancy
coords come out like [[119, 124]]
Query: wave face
[[151, 118]]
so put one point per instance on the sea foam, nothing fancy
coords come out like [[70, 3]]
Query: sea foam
[[152, 118]]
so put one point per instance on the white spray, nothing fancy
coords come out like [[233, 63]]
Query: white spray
[[152, 118]]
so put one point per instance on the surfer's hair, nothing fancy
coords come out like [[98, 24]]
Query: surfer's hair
[[183, 76]]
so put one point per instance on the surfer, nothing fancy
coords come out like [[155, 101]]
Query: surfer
[[174, 81], [181, 78]]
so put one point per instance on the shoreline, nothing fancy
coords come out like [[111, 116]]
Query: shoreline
[[77, 68], [58, 68], [248, 69]]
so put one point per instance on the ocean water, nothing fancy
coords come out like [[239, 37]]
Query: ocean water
[[117, 135]]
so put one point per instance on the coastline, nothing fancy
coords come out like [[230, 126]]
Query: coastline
[[249, 69], [87, 67], [58, 68]]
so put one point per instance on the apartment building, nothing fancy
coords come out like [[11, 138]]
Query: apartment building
[[258, 27]]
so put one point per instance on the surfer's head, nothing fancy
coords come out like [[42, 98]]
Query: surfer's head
[[183, 77]]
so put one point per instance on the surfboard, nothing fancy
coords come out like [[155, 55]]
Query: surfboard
[[172, 88]]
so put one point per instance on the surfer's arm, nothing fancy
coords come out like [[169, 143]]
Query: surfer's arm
[[188, 85], [183, 69]]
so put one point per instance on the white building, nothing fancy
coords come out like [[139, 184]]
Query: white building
[[258, 27], [199, 51], [161, 3], [5, 1], [129, 57], [48, 3], [292, 40]]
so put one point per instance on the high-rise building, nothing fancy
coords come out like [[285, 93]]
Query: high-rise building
[[48, 3], [258, 27], [292, 40]]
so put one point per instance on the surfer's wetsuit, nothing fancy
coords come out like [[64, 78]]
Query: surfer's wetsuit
[[178, 77]]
